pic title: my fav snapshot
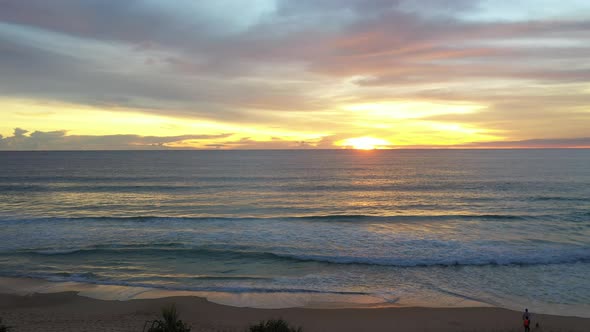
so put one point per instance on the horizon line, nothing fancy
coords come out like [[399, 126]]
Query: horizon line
[[311, 149]]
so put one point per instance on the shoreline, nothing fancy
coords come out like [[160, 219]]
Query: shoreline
[[257, 300], [68, 311], [35, 305]]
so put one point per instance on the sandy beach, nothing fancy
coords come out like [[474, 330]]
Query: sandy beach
[[68, 311]]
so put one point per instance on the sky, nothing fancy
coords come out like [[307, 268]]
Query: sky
[[299, 74]]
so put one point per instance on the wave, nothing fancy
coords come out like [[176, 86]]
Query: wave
[[409, 217], [156, 276], [560, 198], [276, 184], [103, 188], [309, 218], [448, 262], [175, 250], [90, 278]]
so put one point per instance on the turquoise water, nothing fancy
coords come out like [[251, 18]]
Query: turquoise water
[[509, 227]]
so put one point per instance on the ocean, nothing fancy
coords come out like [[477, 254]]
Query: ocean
[[508, 228]]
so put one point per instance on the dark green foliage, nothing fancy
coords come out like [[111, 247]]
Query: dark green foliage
[[273, 325], [3, 328], [168, 323]]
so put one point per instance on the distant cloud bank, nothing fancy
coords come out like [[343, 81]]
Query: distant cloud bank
[[60, 140]]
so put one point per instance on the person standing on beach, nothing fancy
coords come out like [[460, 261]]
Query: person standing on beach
[[526, 320]]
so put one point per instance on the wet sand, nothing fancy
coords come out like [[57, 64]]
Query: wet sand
[[68, 311]]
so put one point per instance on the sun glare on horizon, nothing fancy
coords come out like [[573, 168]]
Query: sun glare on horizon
[[365, 143]]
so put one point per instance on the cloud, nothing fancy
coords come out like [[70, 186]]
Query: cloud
[[40, 73], [60, 140], [246, 143], [19, 132], [296, 63], [521, 116], [582, 142]]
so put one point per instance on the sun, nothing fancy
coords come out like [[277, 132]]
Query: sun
[[365, 143]]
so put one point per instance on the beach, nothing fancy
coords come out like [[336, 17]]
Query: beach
[[67, 311], [27, 310]]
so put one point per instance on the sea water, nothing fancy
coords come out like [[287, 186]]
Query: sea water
[[508, 228]]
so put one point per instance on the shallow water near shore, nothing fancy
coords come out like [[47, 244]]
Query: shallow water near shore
[[446, 228]]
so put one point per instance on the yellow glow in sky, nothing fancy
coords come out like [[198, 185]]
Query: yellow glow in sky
[[358, 126], [87, 120], [364, 143], [411, 109]]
